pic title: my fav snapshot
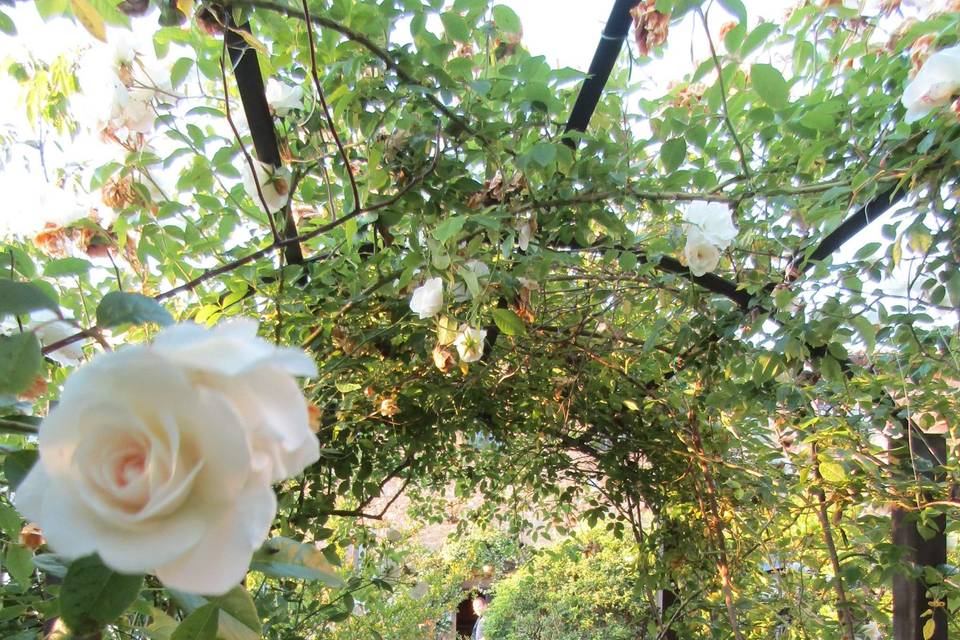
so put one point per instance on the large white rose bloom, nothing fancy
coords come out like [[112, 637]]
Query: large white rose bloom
[[274, 184], [936, 83], [701, 254], [283, 97], [713, 220], [427, 299], [161, 458], [469, 343]]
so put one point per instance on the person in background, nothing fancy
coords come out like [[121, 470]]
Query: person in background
[[479, 607]]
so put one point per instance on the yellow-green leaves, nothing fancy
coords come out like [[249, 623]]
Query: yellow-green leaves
[[87, 15]]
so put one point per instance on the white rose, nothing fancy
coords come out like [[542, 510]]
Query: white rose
[[160, 459], [50, 330], [702, 255], [470, 343], [936, 83], [713, 220], [274, 184], [284, 98], [427, 299], [477, 268], [137, 114]]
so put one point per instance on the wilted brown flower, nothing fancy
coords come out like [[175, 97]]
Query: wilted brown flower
[[342, 341], [313, 416], [389, 407], [650, 26], [118, 193], [442, 358], [726, 28], [32, 537], [52, 240], [920, 51]]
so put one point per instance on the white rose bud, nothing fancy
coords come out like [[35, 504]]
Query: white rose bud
[[274, 184], [936, 83], [427, 299], [469, 343], [702, 255], [161, 458]]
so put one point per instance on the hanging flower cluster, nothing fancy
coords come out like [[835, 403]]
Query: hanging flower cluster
[[116, 95], [710, 230], [427, 301], [934, 85], [161, 458]]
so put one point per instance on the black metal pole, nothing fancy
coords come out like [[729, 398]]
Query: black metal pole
[[253, 96], [604, 59]]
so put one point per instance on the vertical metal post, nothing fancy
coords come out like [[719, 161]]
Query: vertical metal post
[[910, 594]]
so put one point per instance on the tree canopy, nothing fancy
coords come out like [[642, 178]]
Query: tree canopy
[[719, 324]]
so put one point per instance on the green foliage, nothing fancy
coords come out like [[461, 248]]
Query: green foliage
[[684, 423], [93, 595], [582, 588]]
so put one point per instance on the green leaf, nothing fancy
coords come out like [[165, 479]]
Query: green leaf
[[286, 558], [19, 298], [93, 595], [17, 465], [119, 307], [506, 19], [202, 624], [239, 619], [672, 154], [757, 37], [832, 472], [66, 267], [20, 362], [18, 562], [348, 387], [178, 73], [9, 521], [736, 8], [449, 228], [543, 153], [509, 322], [6, 24], [455, 26], [770, 85]]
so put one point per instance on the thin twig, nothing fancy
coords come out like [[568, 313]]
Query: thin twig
[[723, 97], [326, 108]]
